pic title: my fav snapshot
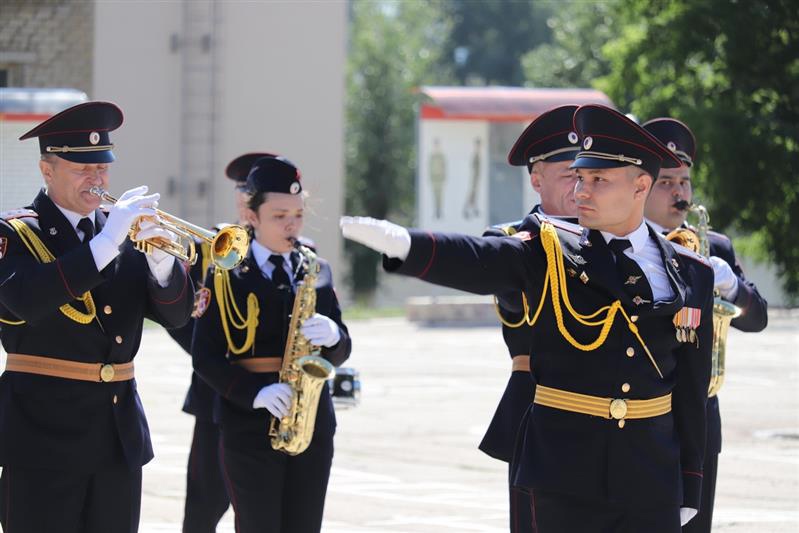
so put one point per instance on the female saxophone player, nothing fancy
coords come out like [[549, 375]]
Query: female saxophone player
[[239, 341]]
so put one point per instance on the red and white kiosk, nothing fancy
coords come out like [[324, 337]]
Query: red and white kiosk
[[464, 181]]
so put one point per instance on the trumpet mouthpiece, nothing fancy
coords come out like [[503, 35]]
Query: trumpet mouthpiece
[[97, 191]]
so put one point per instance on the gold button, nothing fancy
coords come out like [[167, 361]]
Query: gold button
[[618, 409], [634, 318], [625, 387], [630, 352], [118, 339], [621, 423], [115, 399], [107, 309], [107, 373]]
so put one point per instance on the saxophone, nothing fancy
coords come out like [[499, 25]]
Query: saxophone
[[723, 311], [302, 369]]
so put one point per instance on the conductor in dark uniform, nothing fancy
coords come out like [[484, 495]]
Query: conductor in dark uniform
[[206, 496], [239, 341], [547, 147], [621, 330], [73, 296], [665, 211]]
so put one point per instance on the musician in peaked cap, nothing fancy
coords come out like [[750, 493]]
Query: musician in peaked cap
[[547, 148], [666, 210], [239, 341], [621, 336], [206, 496], [73, 296]]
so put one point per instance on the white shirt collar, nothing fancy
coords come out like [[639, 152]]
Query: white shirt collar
[[638, 238], [657, 227], [261, 254], [74, 217]]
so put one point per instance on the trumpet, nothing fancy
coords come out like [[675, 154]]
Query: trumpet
[[228, 245]]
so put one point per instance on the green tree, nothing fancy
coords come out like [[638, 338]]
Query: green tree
[[489, 38], [730, 70], [394, 48], [574, 55]]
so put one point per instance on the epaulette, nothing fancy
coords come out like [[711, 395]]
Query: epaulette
[[690, 254], [508, 228], [20, 212], [561, 224]]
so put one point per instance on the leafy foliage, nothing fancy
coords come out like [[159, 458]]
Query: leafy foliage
[[489, 38], [730, 70], [395, 47]]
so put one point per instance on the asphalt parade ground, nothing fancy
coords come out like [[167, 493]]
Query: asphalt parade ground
[[407, 460]]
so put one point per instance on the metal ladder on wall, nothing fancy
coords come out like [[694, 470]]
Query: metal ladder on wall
[[198, 102]]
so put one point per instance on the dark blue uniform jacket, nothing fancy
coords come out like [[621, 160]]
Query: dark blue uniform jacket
[[238, 387], [651, 461], [64, 424]]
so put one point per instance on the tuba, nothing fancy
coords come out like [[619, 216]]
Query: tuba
[[302, 368], [723, 311], [228, 246]]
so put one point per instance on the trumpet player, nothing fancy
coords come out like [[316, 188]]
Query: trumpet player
[[240, 338], [666, 209], [73, 295]]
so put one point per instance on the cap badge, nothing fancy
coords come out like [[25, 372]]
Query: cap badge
[[94, 137], [671, 146], [573, 137], [294, 188], [587, 142]]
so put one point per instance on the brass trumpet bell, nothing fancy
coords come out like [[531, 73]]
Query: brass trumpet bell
[[228, 245]]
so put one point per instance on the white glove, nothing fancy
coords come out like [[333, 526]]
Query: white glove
[[160, 262], [321, 331], [724, 279], [130, 206], [275, 398], [379, 235], [686, 514]]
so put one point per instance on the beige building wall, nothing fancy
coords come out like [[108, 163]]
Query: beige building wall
[[277, 85], [47, 43]]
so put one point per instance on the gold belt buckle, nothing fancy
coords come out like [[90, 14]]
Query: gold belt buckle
[[618, 408], [107, 373]]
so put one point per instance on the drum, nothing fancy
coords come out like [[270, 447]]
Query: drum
[[345, 387]]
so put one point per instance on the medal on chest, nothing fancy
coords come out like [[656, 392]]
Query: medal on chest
[[686, 321]]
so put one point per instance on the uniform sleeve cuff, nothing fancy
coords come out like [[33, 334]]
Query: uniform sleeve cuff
[[692, 489], [420, 257], [103, 250]]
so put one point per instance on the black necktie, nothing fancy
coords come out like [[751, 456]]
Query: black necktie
[[632, 277], [87, 227], [279, 277]]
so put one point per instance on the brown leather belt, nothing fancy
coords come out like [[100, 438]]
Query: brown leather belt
[[260, 365], [521, 363], [616, 408], [62, 368]]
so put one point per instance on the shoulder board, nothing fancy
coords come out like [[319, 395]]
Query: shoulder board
[[18, 213], [508, 228], [562, 224], [690, 254]]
